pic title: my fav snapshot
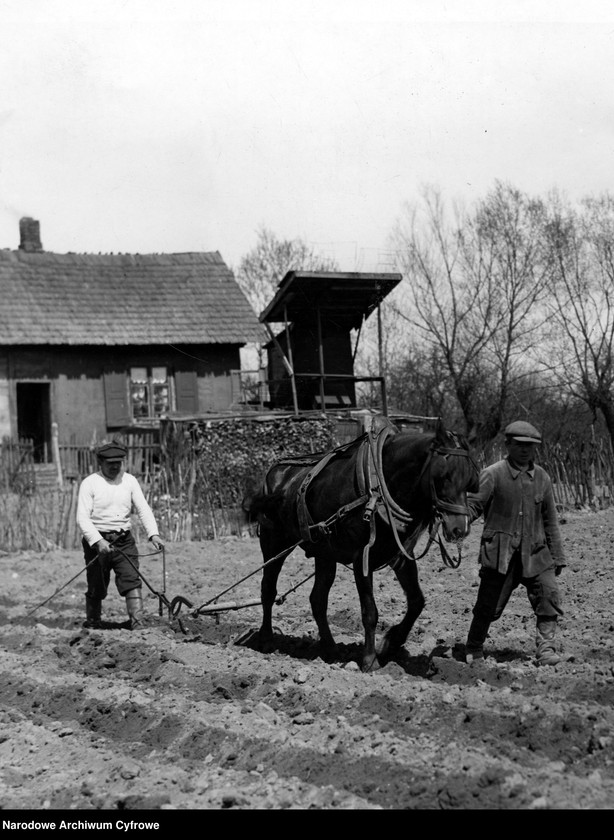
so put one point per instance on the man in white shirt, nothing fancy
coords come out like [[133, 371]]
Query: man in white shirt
[[105, 502]]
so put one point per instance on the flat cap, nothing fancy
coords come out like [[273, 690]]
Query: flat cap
[[111, 450], [522, 431]]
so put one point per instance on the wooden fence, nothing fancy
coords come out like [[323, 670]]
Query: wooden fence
[[38, 502], [143, 459], [195, 501], [16, 465], [582, 472]]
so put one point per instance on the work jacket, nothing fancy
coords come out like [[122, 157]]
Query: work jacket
[[519, 514]]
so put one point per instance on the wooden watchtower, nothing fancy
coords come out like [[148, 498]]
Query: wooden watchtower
[[311, 360]]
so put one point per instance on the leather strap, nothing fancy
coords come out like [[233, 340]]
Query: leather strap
[[305, 520]]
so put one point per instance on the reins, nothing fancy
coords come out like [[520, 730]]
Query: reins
[[174, 606], [93, 560], [377, 494], [392, 508], [212, 605], [64, 585], [439, 505]]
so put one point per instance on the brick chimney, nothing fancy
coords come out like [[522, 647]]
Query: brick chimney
[[29, 232]]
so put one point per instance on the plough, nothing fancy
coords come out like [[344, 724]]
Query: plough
[[174, 606], [214, 605]]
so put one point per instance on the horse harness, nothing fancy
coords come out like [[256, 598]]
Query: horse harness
[[375, 496]]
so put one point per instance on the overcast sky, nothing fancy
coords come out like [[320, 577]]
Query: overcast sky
[[145, 126]]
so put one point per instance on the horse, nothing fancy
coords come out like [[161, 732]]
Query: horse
[[363, 505]]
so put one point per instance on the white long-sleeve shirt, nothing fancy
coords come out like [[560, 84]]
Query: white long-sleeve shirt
[[106, 504]]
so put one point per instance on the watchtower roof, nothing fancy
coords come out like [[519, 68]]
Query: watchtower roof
[[344, 297]]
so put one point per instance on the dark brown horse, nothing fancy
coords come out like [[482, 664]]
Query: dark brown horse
[[365, 505]]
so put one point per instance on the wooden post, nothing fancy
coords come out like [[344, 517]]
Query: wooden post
[[384, 399], [357, 342], [56, 453], [287, 364], [321, 360], [73, 538], [380, 348], [290, 357]]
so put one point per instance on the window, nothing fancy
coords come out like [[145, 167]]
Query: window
[[150, 395], [143, 394]]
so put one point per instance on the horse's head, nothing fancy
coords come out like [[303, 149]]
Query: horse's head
[[451, 472], [427, 477]]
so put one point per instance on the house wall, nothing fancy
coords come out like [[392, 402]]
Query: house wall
[[76, 376], [5, 414]]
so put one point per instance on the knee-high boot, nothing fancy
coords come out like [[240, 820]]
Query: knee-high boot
[[545, 632], [134, 606], [93, 612], [474, 647]]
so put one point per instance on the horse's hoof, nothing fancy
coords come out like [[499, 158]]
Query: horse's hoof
[[247, 638], [383, 652], [370, 665], [256, 640], [266, 643], [329, 654]]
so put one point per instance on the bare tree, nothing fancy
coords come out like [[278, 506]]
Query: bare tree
[[474, 285], [416, 384], [261, 270], [582, 300], [259, 274], [509, 229]]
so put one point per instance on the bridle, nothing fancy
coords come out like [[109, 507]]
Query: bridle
[[438, 506]]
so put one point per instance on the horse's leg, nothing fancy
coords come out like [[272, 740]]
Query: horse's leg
[[268, 586], [325, 572], [368, 610], [406, 572]]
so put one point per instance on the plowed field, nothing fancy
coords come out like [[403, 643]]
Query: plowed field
[[187, 714]]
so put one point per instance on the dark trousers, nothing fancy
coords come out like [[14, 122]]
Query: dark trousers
[[124, 562], [496, 588]]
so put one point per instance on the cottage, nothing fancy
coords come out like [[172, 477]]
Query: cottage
[[98, 342]]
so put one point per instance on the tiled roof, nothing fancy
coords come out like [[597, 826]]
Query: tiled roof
[[190, 298]]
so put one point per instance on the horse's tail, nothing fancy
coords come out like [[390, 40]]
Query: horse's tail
[[262, 507]]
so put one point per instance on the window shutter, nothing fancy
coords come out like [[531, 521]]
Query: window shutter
[[186, 391], [235, 386], [116, 399], [222, 392]]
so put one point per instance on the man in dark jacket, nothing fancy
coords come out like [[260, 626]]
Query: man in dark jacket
[[521, 543]]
